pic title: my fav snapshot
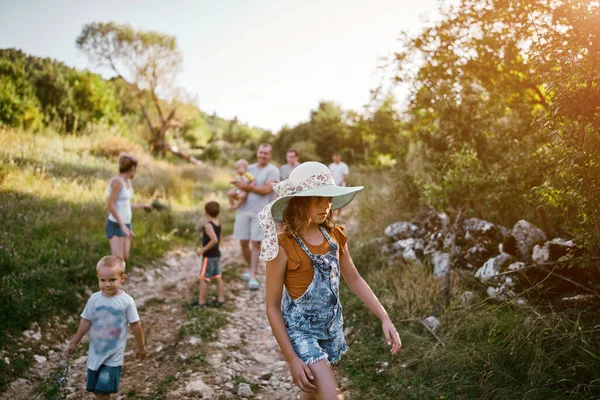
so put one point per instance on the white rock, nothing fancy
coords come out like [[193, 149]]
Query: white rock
[[244, 390], [171, 262], [80, 360], [194, 341], [516, 265], [229, 385], [198, 386], [410, 255], [441, 263], [493, 266], [491, 291], [6, 361], [475, 227], [33, 335], [432, 322], [410, 243], [39, 359], [526, 235], [401, 230]]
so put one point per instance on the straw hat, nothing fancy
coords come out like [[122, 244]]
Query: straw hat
[[307, 179]]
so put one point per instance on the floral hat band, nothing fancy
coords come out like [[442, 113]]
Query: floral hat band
[[307, 179]]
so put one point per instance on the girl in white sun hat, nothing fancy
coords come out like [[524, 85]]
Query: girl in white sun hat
[[307, 260]]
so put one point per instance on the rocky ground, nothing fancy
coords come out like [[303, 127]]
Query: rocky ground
[[243, 362]]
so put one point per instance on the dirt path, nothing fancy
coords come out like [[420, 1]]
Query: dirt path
[[181, 366]]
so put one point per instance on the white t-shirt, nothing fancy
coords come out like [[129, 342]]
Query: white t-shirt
[[338, 171], [110, 317]]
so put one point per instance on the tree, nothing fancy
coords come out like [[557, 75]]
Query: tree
[[149, 62]]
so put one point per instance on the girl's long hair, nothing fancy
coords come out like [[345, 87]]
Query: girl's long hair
[[295, 218]]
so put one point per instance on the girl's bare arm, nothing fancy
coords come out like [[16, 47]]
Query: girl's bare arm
[[363, 291]]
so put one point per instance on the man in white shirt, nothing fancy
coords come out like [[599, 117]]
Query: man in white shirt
[[339, 171]]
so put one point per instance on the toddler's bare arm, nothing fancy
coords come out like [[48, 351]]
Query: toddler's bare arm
[[84, 327], [138, 332]]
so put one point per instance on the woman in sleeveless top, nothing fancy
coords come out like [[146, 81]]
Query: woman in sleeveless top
[[118, 225]]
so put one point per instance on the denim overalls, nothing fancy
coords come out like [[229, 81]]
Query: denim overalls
[[314, 320]]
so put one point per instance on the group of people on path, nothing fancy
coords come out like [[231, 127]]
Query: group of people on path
[[284, 217]]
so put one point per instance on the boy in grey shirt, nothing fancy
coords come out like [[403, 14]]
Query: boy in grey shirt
[[106, 316]]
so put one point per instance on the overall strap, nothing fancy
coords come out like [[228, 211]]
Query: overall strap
[[332, 243], [304, 247]]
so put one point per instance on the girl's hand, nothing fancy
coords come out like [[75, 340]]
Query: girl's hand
[[128, 232], [390, 333], [301, 375]]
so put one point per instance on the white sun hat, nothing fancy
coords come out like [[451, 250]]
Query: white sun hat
[[307, 179]]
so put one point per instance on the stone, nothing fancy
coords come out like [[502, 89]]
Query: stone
[[401, 230], [20, 385], [244, 390], [6, 361], [229, 385], [476, 228], [491, 291], [39, 359], [494, 266], [194, 341], [33, 335], [432, 322], [477, 254], [80, 360], [516, 265], [171, 262], [441, 263], [551, 251], [197, 386], [410, 243], [526, 236], [467, 299]]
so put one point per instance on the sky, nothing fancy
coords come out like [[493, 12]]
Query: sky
[[266, 62]]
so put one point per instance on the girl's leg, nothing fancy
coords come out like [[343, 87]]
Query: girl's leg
[[307, 396], [327, 388], [126, 248], [220, 289], [203, 290], [117, 246], [102, 396]]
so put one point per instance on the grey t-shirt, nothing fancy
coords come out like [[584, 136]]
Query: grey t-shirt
[[110, 317], [285, 170], [256, 202]]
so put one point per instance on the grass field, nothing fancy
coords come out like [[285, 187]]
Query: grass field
[[52, 216]]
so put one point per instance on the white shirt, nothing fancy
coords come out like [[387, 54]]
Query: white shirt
[[123, 203], [110, 317], [338, 171]]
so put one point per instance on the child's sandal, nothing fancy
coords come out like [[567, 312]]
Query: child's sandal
[[196, 304]]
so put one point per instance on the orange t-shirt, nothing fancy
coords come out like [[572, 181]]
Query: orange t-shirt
[[300, 272]]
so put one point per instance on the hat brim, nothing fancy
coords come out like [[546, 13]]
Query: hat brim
[[341, 197]]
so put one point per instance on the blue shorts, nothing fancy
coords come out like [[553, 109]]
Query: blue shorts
[[211, 268], [113, 229], [104, 381]]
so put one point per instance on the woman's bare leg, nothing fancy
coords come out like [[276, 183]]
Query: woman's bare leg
[[327, 388], [307, 396], [126, 247], [117, 246]]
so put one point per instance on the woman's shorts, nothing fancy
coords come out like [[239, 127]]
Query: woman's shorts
[[104, 381], [113, 229]]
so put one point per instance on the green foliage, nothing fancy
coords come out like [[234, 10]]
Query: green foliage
[[36, 90], [506, 102]]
